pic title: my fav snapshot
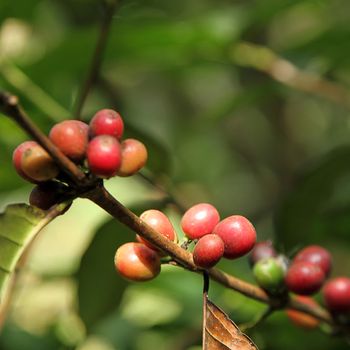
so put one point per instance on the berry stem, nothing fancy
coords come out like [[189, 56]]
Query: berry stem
[[205, 282], [96, 61], [10, 106]]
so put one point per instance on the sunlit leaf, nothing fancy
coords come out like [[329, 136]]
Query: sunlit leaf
[[19, 224], [220, 332]]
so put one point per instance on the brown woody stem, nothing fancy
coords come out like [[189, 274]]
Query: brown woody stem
[[105, 200], [9, 106]]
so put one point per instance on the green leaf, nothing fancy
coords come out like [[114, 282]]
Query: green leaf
[[19, 224], [317, 208], [100, 288]]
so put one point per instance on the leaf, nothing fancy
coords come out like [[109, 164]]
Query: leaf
[[220, 332], [100, 287], [317, 208], [19, 224]]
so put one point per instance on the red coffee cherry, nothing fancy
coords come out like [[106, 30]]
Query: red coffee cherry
[[336, 294], [199, 220], [134, 157], [17, 157], [160, 223], [104, 156], [71, 137], [262, 250], [304, 278], [238, 234], [45, 195], [37, 164], [208, 251], [137, 262], [301, 319], [107, 122], [316, 255]]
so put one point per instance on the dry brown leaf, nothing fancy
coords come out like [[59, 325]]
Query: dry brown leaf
[[221, 333]]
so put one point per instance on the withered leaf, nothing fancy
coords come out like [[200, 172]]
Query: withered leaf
[[220, 332]]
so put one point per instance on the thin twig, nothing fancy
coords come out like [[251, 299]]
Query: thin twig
[[162, 190], [265, 60], [205, 300], [9, 106], [205, 282], [96, 61]]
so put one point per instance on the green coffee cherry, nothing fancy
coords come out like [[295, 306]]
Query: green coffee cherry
[[269, 274]]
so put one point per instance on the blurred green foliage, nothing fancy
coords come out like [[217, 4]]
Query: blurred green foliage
[[217, 130]]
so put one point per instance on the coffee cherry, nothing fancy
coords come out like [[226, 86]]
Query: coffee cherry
[[134, 157], [160, 223], [137, 262], [262, 250], [283, 261], [107, 122], [301, 319], [238, 234], [269, 275], [304, 278], [45, 195], [17, 157], [208, 251], [199, 220], [104, 156], [336, 294], [37, 164], [71, 137], [316, 255]]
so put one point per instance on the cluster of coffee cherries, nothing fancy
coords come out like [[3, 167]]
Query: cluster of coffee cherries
[[231, 238], [97, 148], [304, 276]]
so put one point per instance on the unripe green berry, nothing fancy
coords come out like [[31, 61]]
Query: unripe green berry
[[269, 274]]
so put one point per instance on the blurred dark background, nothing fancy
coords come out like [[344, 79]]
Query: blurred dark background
[[243, 104]]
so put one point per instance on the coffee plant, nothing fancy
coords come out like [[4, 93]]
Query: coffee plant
[[163, 178]]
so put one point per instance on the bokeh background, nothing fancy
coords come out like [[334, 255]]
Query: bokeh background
[[243, 104]]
